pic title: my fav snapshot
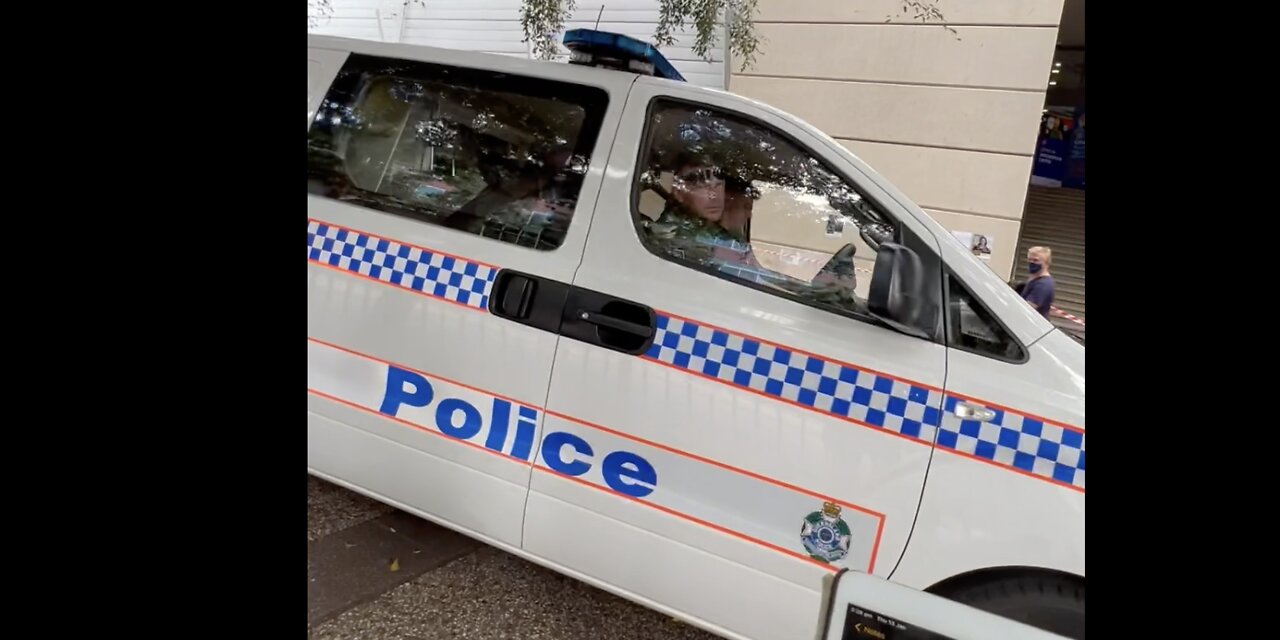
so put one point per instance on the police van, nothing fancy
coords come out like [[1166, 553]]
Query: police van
[[672, 342]]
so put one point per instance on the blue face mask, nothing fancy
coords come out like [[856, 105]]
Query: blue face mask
[[1034, 267]]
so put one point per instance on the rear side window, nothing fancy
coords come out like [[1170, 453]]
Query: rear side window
[[496, 155]]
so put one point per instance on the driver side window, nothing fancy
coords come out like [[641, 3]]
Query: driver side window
[[722, 194]]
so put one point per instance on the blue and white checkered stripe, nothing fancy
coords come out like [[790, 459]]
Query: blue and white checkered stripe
[[454, 279], [1014, 440], [1045, 450], [837, 389]]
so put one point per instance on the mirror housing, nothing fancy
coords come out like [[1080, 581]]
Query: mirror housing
[[897, 294], [875, 235]]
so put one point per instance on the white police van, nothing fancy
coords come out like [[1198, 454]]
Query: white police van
[[672, 342]]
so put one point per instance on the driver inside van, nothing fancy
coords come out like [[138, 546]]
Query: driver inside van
[[706, 215]]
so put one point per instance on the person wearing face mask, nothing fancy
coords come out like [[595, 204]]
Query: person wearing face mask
[[1038, 290]]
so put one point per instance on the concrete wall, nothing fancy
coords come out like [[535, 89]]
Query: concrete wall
[[951, 119]]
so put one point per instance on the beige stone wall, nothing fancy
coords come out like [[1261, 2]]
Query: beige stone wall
[[951, 119]]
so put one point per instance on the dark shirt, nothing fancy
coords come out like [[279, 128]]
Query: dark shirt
[[1039, 292]]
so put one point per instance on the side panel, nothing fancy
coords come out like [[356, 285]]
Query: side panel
[[417, 438], [389, 294], [761, 418], [631, 545], [368, 320], [1008, 492]]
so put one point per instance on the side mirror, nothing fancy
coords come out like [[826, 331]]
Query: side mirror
[[897, 295], [875, 235]]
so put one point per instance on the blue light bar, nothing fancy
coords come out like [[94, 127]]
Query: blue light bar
[[614, 50]]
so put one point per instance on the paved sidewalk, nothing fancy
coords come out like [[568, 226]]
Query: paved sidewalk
[[375, 573]]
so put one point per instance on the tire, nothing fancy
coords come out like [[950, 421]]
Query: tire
[[1050, 602]]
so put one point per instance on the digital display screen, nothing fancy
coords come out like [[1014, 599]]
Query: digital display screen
[[864, 624]]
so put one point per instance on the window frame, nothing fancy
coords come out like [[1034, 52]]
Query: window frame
[[902, 234], [952, 323], [593, 100]]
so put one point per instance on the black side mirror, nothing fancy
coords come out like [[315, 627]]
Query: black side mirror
[[875, 235], [897, 290]]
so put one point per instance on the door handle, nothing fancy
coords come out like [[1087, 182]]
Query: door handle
[[573, 312], [609, 322], [969, 411], [528, 299], [516, 300], [600, 319]]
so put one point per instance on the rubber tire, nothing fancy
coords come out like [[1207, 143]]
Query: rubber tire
[[1049, 602]]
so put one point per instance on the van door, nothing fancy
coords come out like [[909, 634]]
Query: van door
[[1012, 425], [760, 428], [425, 179]]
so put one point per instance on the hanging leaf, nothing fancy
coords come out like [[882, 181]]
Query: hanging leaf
[[543, 23]]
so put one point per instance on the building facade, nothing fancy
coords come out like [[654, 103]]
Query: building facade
[[949, 112]]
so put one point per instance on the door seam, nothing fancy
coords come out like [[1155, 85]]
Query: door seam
[[546, 400]]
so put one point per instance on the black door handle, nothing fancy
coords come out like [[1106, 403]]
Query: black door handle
[[609, 322], [635, 329], [528, 299], [573, 312], [517, 297]]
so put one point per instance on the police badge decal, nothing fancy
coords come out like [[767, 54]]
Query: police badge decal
[[825, 534]]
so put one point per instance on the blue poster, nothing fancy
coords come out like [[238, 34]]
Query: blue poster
[[1050, 164], [1073, 177]]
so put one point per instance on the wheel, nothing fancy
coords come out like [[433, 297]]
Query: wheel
[[1050, 602]]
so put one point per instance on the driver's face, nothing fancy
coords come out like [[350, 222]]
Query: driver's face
[[700, 190]]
